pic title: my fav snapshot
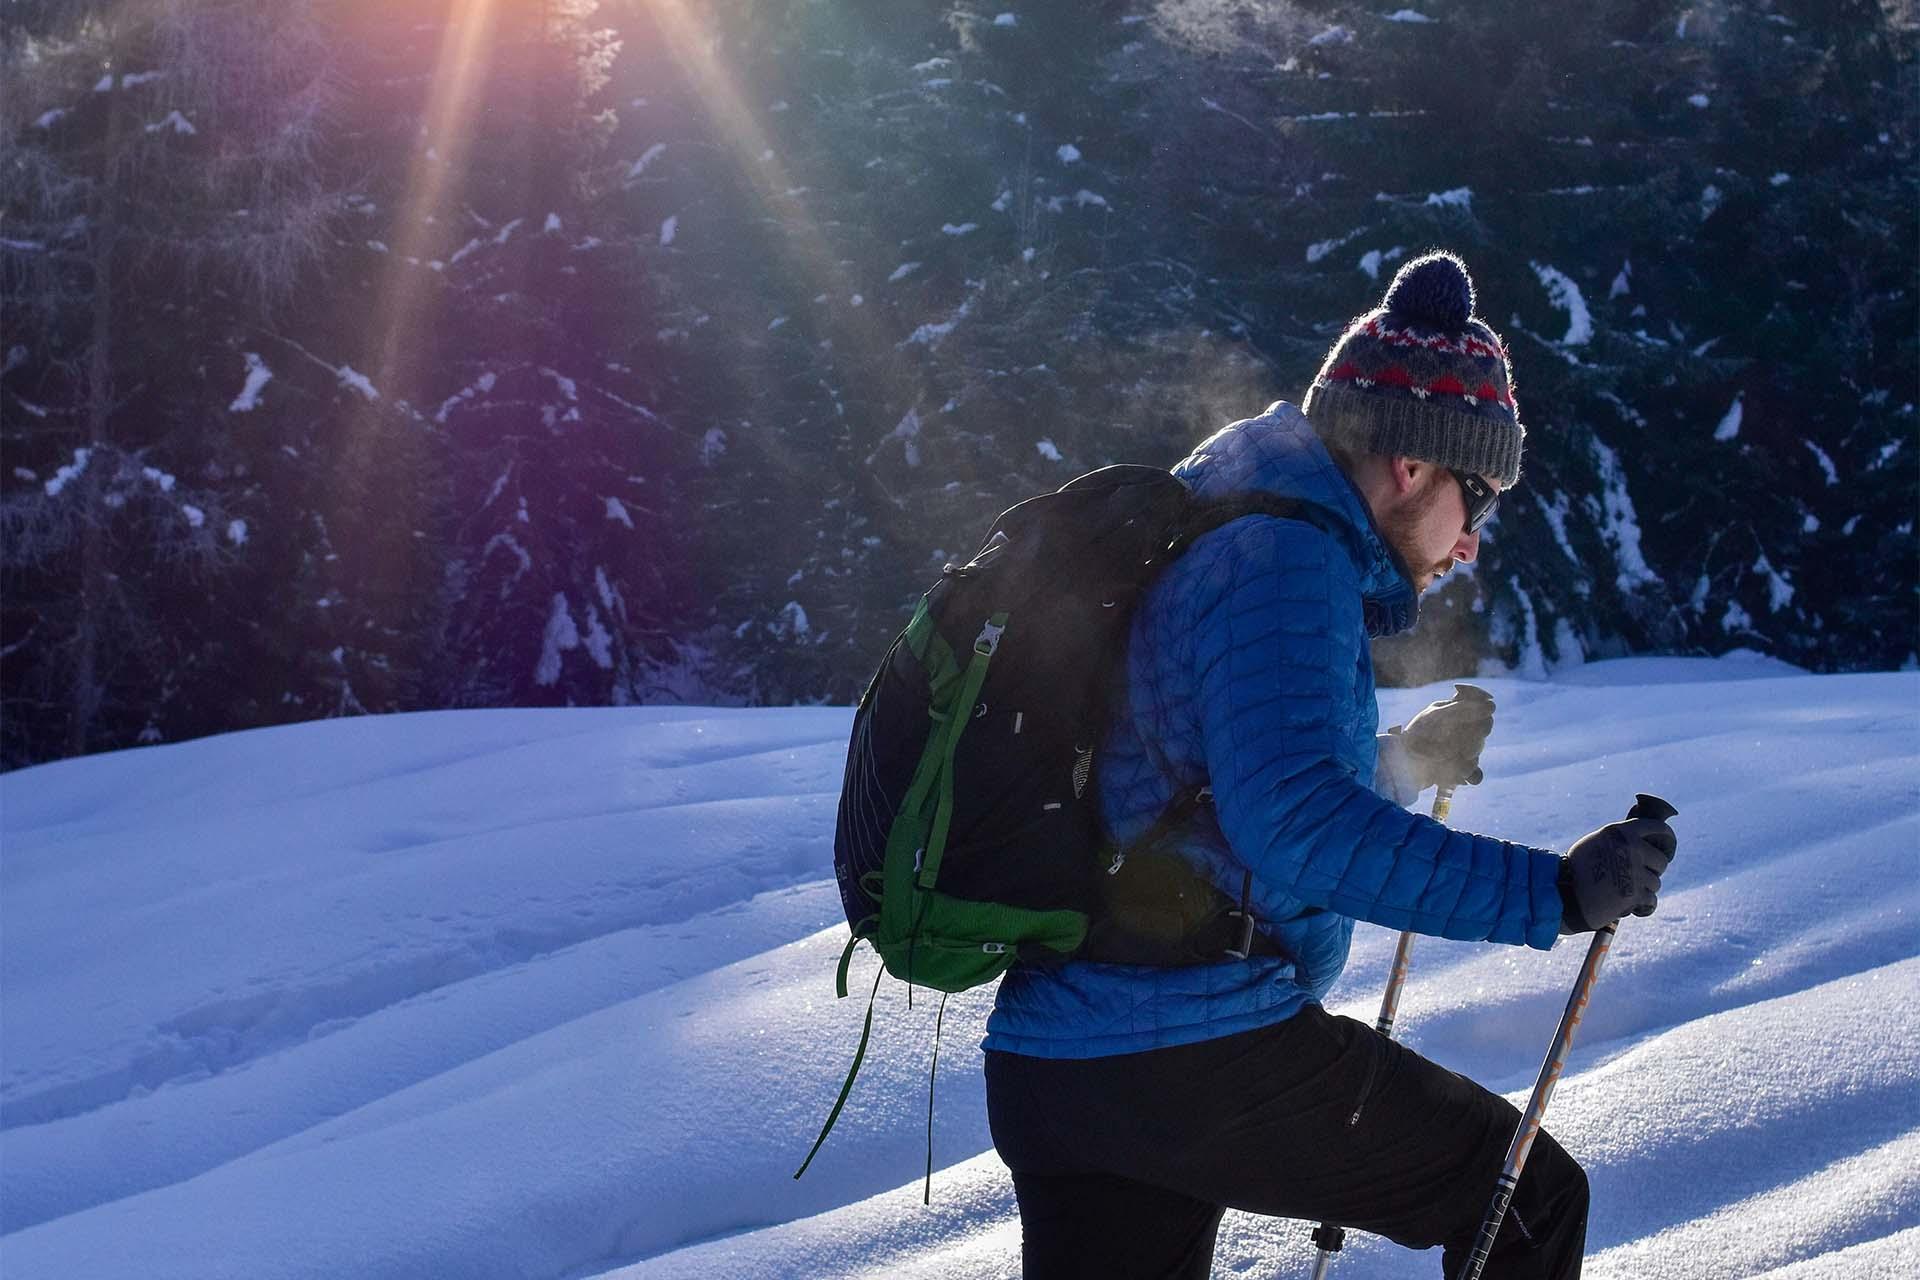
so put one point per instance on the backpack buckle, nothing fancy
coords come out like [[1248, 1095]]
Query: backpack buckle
[[1245, 947], [988, 640]]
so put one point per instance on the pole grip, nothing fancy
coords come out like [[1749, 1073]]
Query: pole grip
[[1443, 802], [1651, 806]]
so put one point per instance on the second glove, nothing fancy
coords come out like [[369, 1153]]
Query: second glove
[[1443, 742], [1613, 871]]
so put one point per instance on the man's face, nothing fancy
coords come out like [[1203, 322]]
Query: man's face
[[1426, 525]]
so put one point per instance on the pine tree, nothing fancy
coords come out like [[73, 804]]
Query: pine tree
[[943, 295], [158, 186], [566, 575], [1641, 195]]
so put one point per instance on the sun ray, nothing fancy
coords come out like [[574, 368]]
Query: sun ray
[[378, 540], [811, 254], [720, 93], [438, 166]]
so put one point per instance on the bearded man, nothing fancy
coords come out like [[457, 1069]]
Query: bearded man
[[1134, 1104]]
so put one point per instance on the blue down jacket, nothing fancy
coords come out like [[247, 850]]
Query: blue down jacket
[[1248, 668]]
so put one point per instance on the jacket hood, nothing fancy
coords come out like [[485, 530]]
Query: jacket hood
[[1279, 453]]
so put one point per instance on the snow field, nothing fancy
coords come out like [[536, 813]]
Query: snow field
[[549, 994]]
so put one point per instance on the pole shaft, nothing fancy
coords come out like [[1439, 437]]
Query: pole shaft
[[1644, 806], [1396, 981], [1531, 1119], [1489, 1228]]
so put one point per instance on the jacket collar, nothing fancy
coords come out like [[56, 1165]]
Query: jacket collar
[[1279, 452]]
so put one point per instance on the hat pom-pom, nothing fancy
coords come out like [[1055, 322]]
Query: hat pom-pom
[[1433, 292]]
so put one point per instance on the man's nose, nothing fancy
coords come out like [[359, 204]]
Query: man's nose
[[1467, 549]]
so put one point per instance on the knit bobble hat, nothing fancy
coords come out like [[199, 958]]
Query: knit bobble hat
[[1423, 378]]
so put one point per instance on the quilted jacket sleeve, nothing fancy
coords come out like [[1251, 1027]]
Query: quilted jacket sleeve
[[1280, 653], [1391, 777]]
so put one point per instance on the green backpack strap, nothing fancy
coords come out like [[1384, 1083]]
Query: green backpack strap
[[933, 1072], [905, 871], [859, 1055], [959, 712]]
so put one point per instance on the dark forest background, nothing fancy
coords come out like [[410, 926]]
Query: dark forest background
[[374, 356]]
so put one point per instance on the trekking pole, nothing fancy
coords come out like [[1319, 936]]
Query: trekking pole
[[1327, 1236], [1645, 806]]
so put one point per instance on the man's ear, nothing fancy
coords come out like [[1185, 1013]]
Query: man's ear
[[1407, 474]]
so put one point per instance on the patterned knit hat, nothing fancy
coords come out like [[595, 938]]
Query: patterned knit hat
[[1421, 377]]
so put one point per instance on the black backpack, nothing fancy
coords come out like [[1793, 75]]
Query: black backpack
[[968, 834]]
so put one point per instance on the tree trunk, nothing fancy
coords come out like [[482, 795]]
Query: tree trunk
[[104, 225]]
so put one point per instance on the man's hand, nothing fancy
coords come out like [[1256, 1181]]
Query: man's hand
[[1442, 744], [1613, 871]]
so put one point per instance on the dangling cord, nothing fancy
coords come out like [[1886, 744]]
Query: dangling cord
[[926, 1195], [859, 1056]]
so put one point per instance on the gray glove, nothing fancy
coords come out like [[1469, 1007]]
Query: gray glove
[[1613, 871], [1442, 744]]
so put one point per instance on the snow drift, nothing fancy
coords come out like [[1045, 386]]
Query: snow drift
[[549, 994]]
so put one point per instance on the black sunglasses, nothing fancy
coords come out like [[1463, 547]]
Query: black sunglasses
[[1481, 499]]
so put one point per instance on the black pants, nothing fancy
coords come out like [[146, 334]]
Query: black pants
[[1123, 1166]]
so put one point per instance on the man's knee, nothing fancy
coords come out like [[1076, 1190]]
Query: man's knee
[[1553, 1214], [1563, 1192], [1544, 1234], [1580, 1189]]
